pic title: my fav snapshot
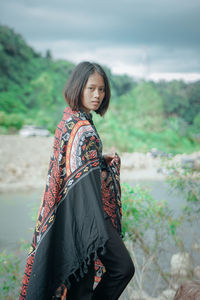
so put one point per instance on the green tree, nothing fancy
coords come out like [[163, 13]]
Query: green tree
[[148, 107]]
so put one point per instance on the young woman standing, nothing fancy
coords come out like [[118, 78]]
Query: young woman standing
[[79, 223]]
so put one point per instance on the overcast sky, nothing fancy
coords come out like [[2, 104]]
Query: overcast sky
[[152, 39]]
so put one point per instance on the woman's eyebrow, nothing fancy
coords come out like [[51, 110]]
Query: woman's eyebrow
[[92, 84]]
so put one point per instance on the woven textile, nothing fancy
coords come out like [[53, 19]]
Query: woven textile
[[70, 228]]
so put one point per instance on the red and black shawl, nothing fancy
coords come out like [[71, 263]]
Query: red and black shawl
[[70, 228]]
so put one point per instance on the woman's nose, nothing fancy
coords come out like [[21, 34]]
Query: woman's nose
[[96, 93]]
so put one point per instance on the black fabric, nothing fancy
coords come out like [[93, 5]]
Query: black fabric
[[78, 231], [82, 289], [70, 228], [119, 267], [119, 271]]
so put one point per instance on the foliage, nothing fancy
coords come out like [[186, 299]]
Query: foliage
[[180, 99], [148, 223], [185, 177], [196, 122], [10, 263], [141, 212], [150, 226], [11, 120], [30, 84], [148, 108], [10, 275], [142, 115], [119, 129]]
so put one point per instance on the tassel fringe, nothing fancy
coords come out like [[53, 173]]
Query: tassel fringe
[[83, 269]]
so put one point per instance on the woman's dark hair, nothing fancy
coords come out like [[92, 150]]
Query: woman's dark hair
[[77, 81]]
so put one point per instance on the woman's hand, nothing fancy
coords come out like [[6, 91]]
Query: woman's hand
[[108, 158], [112, 155]]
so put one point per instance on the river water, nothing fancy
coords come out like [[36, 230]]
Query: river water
[[16, 217], [16, 210]]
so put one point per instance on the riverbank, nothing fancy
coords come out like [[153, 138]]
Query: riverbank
[[24, 163], [23, 169]]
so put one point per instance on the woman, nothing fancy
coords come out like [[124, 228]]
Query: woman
[[79, 218]]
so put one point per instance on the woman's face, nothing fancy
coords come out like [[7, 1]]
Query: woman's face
[[93, 93]]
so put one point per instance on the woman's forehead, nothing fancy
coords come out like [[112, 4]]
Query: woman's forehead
[[95, 78]]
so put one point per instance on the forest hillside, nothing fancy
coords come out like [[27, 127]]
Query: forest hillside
[[142, 115]]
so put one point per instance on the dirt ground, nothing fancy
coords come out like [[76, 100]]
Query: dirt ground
[[24, 163]]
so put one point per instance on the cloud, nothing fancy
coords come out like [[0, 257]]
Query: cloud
[[141, 36], [147, 58], [127, 21]]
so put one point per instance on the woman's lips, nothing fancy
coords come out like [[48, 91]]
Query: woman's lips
[[95, 102]]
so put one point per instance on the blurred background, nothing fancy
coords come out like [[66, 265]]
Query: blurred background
[[150, 50]]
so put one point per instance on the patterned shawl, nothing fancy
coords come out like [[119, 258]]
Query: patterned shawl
[[70, 228]]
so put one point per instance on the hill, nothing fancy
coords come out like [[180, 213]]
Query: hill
[[143, 115]]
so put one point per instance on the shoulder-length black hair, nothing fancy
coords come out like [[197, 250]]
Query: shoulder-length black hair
[[77, 81]]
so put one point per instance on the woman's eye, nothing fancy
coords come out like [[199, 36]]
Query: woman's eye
[[91, 88], [101, 90]]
